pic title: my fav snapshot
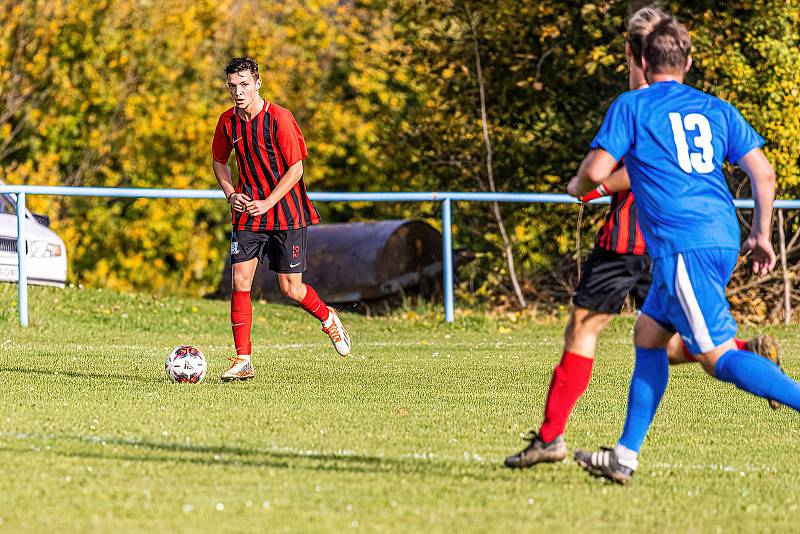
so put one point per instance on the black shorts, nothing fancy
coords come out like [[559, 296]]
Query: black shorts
[[284, 250], [608, 278]]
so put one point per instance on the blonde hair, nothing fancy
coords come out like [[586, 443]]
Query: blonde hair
[[639, 26]]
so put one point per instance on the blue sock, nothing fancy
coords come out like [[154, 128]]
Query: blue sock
[[759, 376], [649, 380]]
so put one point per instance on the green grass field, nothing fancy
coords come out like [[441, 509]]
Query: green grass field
[[408, 434]]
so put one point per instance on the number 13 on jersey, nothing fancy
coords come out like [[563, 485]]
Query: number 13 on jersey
[[702, 162]]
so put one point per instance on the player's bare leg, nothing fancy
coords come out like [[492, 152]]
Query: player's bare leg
[[583, 329], [293, 288], [676, 353], [763, 344], [569, 381], [241, 321]]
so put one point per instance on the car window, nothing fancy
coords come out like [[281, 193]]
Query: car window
[[7, 205]]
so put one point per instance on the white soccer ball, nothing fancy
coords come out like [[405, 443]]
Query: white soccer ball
[[186, 364]]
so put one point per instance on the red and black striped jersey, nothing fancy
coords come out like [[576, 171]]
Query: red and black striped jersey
[[266, 146], [620, 232]]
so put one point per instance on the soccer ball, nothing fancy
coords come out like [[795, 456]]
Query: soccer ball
[[185, 364]]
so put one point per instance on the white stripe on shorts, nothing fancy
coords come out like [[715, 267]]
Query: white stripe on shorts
[[691, 308]]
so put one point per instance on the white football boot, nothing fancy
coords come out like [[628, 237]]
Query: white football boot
[[333, 327], [241, 369]]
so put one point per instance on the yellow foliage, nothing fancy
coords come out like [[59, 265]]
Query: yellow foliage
[[127, 94]]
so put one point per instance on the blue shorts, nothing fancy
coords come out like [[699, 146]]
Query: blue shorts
[[688, 296]]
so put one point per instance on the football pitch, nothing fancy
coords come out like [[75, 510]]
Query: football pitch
[[407, 434]]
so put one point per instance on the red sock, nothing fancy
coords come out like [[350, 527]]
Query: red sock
[[241, 321], [314, 305], [570, 379], [740, 343]]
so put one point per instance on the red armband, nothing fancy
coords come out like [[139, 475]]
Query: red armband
[[597, 192]]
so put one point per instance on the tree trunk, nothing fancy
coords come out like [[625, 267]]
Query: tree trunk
[[507, 248]]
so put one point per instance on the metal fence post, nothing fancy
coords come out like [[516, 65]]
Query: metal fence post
[[447, 252], [22, 254], [446, 198]]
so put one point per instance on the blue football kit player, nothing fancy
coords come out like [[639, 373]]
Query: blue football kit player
[[675, 140]]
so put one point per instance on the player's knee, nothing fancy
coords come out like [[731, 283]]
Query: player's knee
[[641, 337], [597, 326], [583, 325], [649, 334], [292, 290], [241, 282]]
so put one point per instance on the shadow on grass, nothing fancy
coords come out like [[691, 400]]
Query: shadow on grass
[[224, 455], [77, 374]]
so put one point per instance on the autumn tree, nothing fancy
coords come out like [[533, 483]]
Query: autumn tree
[[123, 93]]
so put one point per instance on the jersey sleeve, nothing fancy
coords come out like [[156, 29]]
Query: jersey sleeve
[[221, 146], [742, 138], [290, 139], [616, 133]]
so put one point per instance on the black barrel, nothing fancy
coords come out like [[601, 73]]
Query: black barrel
[[356, 262]]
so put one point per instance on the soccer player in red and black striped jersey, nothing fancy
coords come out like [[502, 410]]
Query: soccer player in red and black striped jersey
[[618, 266], [270, 209]]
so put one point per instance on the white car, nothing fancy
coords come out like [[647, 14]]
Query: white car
[[47, 255]]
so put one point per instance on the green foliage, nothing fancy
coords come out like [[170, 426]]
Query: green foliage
[[550, 71], [749, 54], [552, 68], [127, 93]]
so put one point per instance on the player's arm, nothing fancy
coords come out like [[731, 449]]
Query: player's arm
[[618, 181], [285, 184], [595, 169], [612, 142], [221, 150], [762, 181], [223, 174]]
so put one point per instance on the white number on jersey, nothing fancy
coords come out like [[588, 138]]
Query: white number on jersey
[[702, 162]]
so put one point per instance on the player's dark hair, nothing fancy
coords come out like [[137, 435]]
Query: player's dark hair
[[239, 64], [639, 25], [667, 47]]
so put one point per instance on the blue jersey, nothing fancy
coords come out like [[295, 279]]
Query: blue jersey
[[674, 140]]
